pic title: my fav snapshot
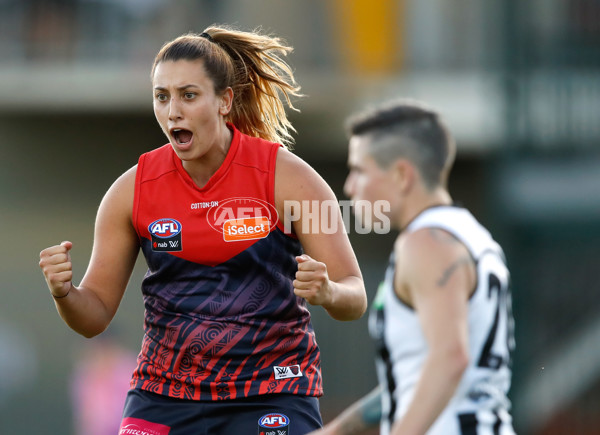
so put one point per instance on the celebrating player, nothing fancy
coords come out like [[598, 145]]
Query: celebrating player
[[228, 344]]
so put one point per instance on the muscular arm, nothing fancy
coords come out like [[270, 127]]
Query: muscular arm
[[359, 417], [89, 308], [437, 275], [328, 273]]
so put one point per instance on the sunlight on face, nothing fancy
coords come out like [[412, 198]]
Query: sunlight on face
[[186, 106], [366, 181]]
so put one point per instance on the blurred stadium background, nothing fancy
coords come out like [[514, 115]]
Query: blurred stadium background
[[518, 82]]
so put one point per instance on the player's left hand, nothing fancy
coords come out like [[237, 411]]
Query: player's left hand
[[312, 281]]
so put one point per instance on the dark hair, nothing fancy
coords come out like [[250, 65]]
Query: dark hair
[[407, 129], [251, 64]]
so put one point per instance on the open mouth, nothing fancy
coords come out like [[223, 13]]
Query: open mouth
[[181, 136]]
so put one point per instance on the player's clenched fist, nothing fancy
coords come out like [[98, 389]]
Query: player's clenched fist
[[312, 281], [57, 268]]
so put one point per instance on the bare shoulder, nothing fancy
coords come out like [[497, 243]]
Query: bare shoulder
[[127, 179], [296, 179], [119, 196], [432, 255], [429, 242]]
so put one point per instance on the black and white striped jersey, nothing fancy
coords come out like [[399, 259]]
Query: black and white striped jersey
[[480, 404]]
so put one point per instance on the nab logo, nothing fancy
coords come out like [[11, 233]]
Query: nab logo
[[166, 235], [273, 421]]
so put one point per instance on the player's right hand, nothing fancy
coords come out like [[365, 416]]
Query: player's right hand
[[56, 265]]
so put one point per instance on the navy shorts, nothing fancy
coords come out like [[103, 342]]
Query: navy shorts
[[148, 413]]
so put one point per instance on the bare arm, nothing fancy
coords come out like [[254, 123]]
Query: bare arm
[[437, 275], [328, 273], [358, 418], [89, 308]]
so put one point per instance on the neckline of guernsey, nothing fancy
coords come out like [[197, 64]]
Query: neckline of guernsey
[[235, 140]]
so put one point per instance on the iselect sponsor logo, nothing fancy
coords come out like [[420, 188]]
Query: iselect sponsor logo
[[250, 228], [241, 218]]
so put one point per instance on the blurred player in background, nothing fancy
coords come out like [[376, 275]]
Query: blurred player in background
[[228, 346], [442, 318]]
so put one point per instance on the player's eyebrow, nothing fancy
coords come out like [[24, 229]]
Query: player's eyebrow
[[179, 88]]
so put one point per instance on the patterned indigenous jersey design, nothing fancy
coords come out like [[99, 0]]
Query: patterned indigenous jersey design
[[221, 319], [480, 403]]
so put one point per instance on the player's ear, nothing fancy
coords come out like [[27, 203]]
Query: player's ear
[[403, 173], [226, 102]]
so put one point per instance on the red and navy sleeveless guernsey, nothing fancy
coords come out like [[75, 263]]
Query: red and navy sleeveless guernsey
[[221, 318]]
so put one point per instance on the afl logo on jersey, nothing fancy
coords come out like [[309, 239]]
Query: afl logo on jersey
[[268, 423], [166, 235]]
